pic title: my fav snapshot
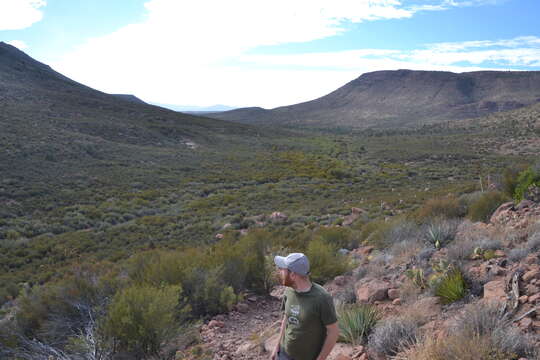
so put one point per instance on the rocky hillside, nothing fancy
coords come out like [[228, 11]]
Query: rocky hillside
[[500, 262], [404, 98]]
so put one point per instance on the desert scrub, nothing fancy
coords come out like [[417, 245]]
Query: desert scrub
[[527, 180], [340, 237], [416, 276], [141, 318], [482, 320], [444, 207], [325, 261], [356, 322], [439, 233], [393, 335], [481, 332], [450, 287], [483, 208]]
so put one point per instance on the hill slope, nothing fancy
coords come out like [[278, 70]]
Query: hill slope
[[404, 98], [58, 132]]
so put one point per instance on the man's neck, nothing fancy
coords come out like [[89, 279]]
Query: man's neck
[[303, 286]]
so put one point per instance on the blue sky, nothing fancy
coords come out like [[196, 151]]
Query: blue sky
[[265, 53]]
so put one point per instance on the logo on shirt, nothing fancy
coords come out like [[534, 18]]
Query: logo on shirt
[[294, 313]]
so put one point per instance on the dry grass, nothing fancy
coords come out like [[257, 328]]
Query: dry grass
[[456, 347]]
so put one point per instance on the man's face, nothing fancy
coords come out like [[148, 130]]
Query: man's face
[[285, 277]]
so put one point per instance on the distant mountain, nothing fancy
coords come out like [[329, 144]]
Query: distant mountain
[[129, 97], [196, 109], [403, 98]]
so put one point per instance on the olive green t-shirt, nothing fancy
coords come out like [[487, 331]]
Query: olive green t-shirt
[[307, 314]]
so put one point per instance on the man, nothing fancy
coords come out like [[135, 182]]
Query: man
[[309, 327]]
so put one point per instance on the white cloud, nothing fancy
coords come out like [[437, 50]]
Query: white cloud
[[21, 45], [20, 14], [197, 52]]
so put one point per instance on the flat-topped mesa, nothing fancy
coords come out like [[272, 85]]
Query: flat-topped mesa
[[404, 98]]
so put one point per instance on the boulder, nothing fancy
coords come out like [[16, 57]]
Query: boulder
[[213, 324], [501, 213], [524, 204], [531, 274], [276, 215], [340, 280], [364, 250], [243, 308], [374, 290], [495, 290], [534, 298], [246, 349], [393, 294], [431, 306]]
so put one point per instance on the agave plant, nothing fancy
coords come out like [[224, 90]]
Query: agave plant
[[451, 287], [356, 321]]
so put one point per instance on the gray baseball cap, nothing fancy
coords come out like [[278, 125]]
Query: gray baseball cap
[[295, 262]]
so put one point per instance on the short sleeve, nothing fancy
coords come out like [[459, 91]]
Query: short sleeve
[[283, 301], [328, 311]]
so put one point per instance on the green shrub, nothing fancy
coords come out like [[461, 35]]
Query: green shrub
[[374, 233], [527, 180], [356, 322], [207, 293], [450, 287], [445, 207], [485, 206], [142, 317], [325, 262], [416, 275], [338, 236], [510, 177]]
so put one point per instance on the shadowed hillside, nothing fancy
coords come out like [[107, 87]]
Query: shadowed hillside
[[403, 98], [57, 132]]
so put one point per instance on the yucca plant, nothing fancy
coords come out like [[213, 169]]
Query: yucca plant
[[417, 277], [356, 321], [451, 287]]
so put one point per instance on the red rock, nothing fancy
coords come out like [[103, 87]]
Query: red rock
[[501, 212], [524, 204], [396, 302], [393, 294], [534, 298], [430, 306], [531, 259], [495, 290], [339, 280], [276, 215], [523, 299], [531, 289], [374, 290], [496, 270], [525, 323], [499, 253], [342, 357], [365, 250], [532, 274], [215, 324]]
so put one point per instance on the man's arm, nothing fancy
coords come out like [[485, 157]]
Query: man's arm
[[281, 332], [332, 333]]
